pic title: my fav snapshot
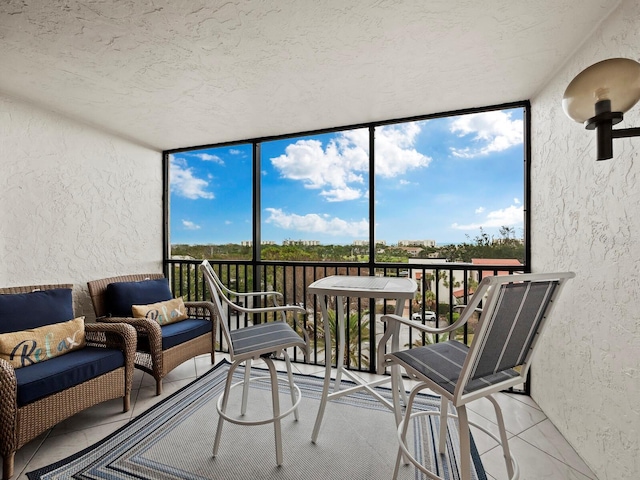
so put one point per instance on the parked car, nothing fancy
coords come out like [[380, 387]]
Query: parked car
[[429, 316]]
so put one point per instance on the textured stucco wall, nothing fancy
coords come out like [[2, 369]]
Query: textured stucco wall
[[75, 204], [586, 218]]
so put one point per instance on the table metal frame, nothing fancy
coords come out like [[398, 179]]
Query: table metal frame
[[345, 286]]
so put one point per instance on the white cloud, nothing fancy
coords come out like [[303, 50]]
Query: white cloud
[[339, 169], [505, 217], [494, 132], [339, 195], [314, 223], [479, 209], [184, 184], [334, 167], [189, 225], [516, 201], [395, 154], [207, 157]]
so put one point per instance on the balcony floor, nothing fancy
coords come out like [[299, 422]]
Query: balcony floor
[[539, 448]]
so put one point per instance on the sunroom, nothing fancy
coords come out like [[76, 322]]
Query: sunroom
[[94, 94]]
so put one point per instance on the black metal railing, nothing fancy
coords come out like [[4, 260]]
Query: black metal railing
[[441, 286]]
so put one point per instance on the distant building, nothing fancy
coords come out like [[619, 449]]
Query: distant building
[[412, 251], [416, 243], [306, 243], [365, 243], [492, 261], [249, 243]]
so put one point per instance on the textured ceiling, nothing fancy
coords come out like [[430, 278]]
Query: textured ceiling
[[170, 74]]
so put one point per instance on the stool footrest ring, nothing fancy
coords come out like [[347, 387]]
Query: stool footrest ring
[[259, 422]]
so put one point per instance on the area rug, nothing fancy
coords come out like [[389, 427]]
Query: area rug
[[174, 439]]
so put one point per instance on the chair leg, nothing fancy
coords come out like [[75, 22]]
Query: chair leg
[[444, 411], [126, 402], [503, 436], [223, 407], [276, 409], [291, 384], [245, 387], [405, 427], [7, 465], [158, 386], [465, 443], [397, 388]]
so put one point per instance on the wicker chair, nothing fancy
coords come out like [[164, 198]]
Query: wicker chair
[[19, 424], [154, 360]]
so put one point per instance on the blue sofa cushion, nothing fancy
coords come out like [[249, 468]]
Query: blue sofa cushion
[[176, 333], [43, 379], [22, 311], [120, 296]]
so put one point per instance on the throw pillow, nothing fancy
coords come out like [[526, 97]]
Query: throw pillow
[[164, 313], [21, 311], [26, 347], [121, 296]]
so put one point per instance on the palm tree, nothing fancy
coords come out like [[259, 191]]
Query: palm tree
[[429, 339], [357, 331]]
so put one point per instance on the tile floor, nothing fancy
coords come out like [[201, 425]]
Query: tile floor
[[539, 448]]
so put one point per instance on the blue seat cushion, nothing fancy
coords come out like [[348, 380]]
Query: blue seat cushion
[[120, 296], [22, 311], [60, 373], [176, 333]]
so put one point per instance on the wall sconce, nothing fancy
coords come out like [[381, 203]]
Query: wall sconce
[[600, 95]]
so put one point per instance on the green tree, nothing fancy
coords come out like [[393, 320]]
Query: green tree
[[357, 332]]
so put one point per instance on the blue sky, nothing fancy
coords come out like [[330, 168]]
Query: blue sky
[[440, 179]]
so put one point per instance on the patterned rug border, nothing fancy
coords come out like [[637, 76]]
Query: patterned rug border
[[38, 473]]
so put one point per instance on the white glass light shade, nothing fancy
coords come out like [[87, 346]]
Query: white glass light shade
[[616, 79]]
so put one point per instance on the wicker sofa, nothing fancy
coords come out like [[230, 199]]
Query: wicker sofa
[[159, 349], [37, 396]]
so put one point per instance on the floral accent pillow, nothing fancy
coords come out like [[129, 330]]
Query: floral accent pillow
[[35, 345], [164, 313]]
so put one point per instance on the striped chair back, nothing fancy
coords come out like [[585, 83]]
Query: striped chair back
[[514, 314]]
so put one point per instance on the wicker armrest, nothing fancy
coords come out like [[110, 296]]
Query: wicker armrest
[[201, 310], [8, 397], [112, 335], [144, 326]]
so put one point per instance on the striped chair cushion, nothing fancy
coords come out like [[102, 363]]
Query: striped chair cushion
[[267, 337], [442, 363]]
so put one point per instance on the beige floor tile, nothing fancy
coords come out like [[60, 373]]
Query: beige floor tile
[[203, 363], [518, 416], [26, 454], [55, 448], [526, 399], [102, 414], [307, 369], [547, 438], [534, 463], [147, 397], [484, 442]]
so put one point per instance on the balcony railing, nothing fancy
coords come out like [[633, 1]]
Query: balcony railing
[[440, 288]]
